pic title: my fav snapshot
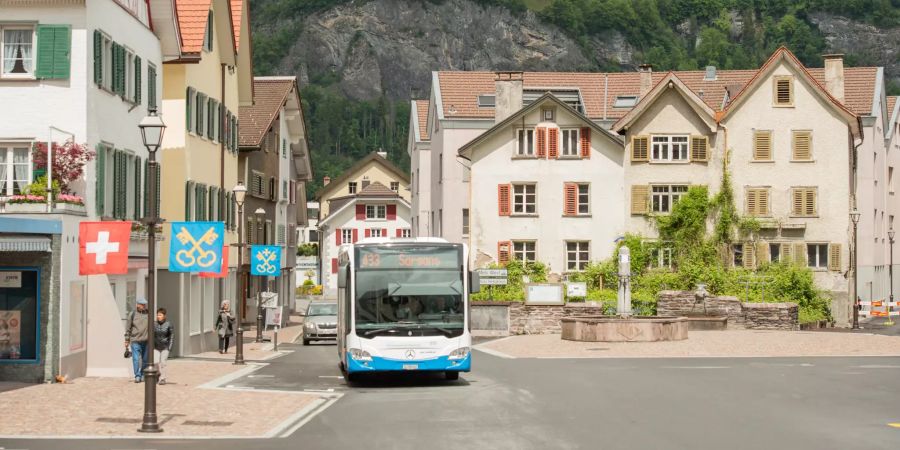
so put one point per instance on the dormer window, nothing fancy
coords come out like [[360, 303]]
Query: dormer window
[[487, 101], [208, 37], [625, 101], [783, 91], [351, 187]]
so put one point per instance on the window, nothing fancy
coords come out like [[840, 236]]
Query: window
[[625, 101], [351, 186], [284, 148], [395, 186], [762, 146], [525, 143], [15, 168], [18, 55], [817, 256], [548, 114], [376, 212], [107, 58], [257, 186], [801, 146], [737, 252], [891, 180], [208, 37], [783, 91], [465, 221], [570, 142], [375, 232], [524, 251], [576, 199], [487, 101], [524, 199], [584, 204], [661, 258], [670, 148], [405, 233], [804, 202], [665, 196], [757, 202], [774, 252], [577, 255], [19, 316]]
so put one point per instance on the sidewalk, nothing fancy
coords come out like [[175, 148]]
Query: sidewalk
[[730, 343], [260, 351]]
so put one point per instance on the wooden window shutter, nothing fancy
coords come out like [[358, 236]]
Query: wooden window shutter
[[158, 190], [355, 235], [802, 146], [749, 257], [834, 257], [120, 70], [787, 253], [146, 187], [784, 91], [585, 141], [797, 199], [503, 199], [137, 188], [810, 202], [368, 232], [763, 205], [640, 198], [384, 232], [399, 232], [188, 108], [337, 236], [800, 253], [553, 143], [98, 57], [570, 194], [137, 80], [762, 253], [699, 148], [188, 194], [53, 44], [201, 104], [640, 148], [360, 212], [100, 182], [334, 265], [151, 86], [542, 142], [762, 146], [391, 211], [503, 251], [752, 202]]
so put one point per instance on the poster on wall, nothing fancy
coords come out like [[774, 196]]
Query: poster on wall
[[10, 279], [10, 334]]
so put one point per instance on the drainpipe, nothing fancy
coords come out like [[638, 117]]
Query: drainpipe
[[221, 202]]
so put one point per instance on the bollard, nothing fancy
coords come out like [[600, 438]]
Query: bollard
[[276, 339]]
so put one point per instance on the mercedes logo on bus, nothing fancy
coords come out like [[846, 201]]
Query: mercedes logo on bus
[[410, 354]]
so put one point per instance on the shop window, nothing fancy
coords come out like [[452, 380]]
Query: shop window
[[19, 315]]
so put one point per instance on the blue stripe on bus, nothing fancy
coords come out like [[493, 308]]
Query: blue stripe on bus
[[379, 364]]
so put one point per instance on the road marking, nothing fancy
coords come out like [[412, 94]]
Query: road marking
[[331, 376], [260, 376], [319, 390], [303, 416], [696, 367], [877, 366], [493, 352]]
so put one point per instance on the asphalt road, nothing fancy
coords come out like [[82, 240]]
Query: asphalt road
[[708, 403]]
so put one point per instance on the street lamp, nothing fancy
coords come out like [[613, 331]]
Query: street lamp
[[239, 192], [152, 130], [890, 322], [854, 216], [260, 214]]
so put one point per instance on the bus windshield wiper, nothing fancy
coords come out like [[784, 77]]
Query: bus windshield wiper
[[397, 326]]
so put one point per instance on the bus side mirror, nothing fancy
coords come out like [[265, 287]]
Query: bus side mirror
[[342, 279], [474, 283]]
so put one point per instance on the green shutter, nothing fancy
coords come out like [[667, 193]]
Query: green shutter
[[188, 108], [115, 183], [53, 49], [100, 183], [137, 188], [151, 86], [188, 187], [158, 189], [98, 57], [114, 63], [146, 187], [137, 79], [235, 136], [201, 104]]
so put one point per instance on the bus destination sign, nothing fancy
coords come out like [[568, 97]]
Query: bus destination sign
[[408, 258]]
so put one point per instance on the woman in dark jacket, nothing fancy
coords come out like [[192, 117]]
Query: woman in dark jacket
[[225, 326], [163, 338]]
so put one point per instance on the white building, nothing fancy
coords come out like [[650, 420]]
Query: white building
[[419, 150], [87, 71]]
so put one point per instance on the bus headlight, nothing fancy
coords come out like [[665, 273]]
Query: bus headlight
[[459, 353], [360, 355]]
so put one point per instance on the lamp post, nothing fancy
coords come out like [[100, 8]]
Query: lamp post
[[260, 214], [152, 129], [239, 192], [854, 216], [890, 322]]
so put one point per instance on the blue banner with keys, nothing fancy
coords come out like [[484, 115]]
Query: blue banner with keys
[[196, 247], [265, 260]]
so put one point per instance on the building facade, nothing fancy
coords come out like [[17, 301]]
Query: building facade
[[419, 150]]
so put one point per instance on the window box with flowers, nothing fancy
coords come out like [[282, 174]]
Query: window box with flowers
[[26, 204], [71, 203]]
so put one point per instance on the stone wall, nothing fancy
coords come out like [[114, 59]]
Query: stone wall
[[540, 319], [757, 316], [771, 316]]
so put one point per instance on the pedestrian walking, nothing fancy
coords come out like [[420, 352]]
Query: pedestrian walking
[[137, 332], [163, 340], [225, 326]]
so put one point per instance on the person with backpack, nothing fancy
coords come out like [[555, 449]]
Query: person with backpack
[[163, 339], [137, 332]]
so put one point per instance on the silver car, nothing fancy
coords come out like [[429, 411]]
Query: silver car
[[320, 322]]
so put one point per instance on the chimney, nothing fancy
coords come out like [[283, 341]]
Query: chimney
[[326, 180], [646, 71], [382, 153], [508, 100], [834, 75]]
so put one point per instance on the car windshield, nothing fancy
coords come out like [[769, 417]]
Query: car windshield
[[322, 309], [404, 288]]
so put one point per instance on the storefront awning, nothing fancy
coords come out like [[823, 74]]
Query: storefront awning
[[24, 244]]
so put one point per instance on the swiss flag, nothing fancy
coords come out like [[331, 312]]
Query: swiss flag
[[103, 247], [222, 273]]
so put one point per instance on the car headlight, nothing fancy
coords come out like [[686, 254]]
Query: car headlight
[[460, 353], [360, 355], [310, 326]]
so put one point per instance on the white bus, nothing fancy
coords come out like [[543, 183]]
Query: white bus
[[403, 305]]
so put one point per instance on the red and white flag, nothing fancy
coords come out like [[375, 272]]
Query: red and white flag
[[221, 273], [103, 247]]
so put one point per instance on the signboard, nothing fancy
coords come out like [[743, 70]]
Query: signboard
[[576, 289], [265, 260], [493, 273], [10, 279], [273, 317], [268, 300], [197, 247], [544, 294], [493, 281], [409, 258]]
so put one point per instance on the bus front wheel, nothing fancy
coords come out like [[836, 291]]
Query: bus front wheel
[[451, 375]]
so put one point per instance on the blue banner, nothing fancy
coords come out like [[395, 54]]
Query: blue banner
[[265, 260], [196, 247]]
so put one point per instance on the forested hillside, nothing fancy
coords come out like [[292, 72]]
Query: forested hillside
[[360, 61]]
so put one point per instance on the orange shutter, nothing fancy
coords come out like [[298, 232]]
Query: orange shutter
[[542, 142], [503, 251], [570, 193], [553, 137], [585, 142], [503, 199]]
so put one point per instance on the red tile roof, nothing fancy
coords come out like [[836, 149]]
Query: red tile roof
[[422, 116], [460, 90], [891, 101], [192, 16], [236, 9], [269, 94]]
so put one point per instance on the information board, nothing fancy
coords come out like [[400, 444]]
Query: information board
[[544, 294]]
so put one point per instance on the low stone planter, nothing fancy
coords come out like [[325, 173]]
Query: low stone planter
[[26, 208], [620, 329]]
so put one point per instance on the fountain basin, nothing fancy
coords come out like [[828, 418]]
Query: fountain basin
[[624, 329]]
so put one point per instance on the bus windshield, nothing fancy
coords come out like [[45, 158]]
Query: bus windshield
[[409, 291]]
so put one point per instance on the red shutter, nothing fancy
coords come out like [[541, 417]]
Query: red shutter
[[368, 232], [337, 236], [553, 137], [384, 232], [333, 265], [355, 235], [391, 212], [570, 193], [360, 212], [399, 232], [503, 251], [585, 142], [503, 199], [542, 142]]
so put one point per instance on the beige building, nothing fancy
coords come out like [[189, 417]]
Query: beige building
[[371, 169], [203, 89]]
